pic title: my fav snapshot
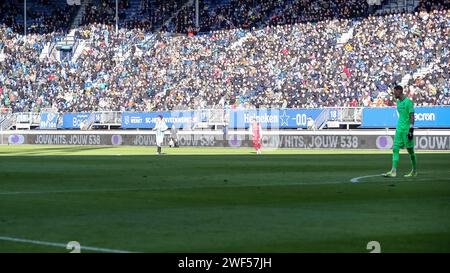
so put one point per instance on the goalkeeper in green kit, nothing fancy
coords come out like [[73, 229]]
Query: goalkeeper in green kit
[[404, 134]]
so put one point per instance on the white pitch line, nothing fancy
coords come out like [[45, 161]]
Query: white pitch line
[[43, 243], [356, 179]]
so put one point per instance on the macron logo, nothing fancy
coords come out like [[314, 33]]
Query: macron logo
[[425, 116]]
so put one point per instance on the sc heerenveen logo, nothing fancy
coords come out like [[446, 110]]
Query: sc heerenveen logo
[[127, 120]]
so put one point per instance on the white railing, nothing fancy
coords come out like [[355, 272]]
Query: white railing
[[4, 115], [216, 116], [7, 121], [112, 118], [28, 118], [346, 114]]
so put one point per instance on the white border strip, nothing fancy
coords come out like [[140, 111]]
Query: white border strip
[[356, 132], [43, 243]]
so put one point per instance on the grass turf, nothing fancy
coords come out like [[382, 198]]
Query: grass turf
[[221, 200]]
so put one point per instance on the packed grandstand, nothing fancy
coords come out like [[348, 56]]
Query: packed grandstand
[[240, 54]]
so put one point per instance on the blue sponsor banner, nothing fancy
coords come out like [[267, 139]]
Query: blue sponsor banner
[[425, 117], [273, 118], [48, 120], [73, 120], [147, 120]]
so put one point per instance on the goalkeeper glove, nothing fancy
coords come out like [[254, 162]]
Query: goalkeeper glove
[[411, 133]]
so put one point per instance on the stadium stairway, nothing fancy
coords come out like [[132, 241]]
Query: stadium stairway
[[81, 45], [406, 79], [168, 21], [2, 55], [45, 53], [419, 73], [345, 37], [77, 20]]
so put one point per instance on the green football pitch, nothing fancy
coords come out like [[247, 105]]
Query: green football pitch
[[220, 200]]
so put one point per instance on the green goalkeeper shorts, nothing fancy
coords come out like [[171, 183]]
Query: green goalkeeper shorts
[[401, 140]]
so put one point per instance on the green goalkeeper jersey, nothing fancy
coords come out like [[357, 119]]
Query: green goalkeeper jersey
[[404, 108]]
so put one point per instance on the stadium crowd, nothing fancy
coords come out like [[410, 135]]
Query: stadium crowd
[[291, 62]]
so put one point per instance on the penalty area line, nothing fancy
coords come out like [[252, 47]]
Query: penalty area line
[[60, 245]]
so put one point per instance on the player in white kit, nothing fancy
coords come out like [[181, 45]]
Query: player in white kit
[[160, 128]]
